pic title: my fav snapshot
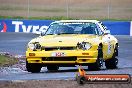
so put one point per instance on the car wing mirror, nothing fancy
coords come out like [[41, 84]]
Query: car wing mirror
[[105, 27], [106, 32]]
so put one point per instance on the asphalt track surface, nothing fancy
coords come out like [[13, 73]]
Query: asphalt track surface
[[15, 43]]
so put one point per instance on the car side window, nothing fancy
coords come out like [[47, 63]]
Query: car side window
[[104, 27], [100, 32]]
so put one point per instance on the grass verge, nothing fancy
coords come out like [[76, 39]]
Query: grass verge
[[60, 18], [7, 61]]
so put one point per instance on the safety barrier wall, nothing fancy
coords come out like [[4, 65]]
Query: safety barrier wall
[[37, 26], [118, 27]]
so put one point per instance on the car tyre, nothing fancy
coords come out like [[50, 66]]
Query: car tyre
[[52, 68], [34, 68], [99, 62]]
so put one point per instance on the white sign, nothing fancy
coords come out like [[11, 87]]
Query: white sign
[[30, 28]]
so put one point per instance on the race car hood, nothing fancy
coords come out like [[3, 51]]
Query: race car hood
[[63, 40]]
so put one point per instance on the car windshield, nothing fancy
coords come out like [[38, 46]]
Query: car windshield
[[72, 28]]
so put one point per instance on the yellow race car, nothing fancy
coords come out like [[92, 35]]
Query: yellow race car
[[70, 43]]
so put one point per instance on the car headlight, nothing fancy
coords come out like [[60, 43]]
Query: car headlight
[[84, 45], [34, 46], [31, 46]]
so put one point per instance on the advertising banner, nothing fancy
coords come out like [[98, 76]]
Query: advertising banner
[[38, 26], [27, 26]]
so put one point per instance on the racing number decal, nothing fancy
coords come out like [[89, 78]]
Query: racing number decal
[[109, 48], [107, 41]]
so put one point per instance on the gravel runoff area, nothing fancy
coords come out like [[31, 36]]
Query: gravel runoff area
[[57, 84]]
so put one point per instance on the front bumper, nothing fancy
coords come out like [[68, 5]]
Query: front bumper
[[70, 57]]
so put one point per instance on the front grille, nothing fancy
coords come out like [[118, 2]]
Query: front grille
[[59, 58], [58, 48]]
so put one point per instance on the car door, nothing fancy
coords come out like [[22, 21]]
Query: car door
[[107, 42]]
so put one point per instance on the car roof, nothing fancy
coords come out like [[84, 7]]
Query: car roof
[[93, 21]]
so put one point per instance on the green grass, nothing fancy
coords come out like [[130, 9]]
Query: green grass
[[12, 17], [48, 10], [6, 61], [52, 18], [11, 8], [38, 18], [60, 18], [32, 9]]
